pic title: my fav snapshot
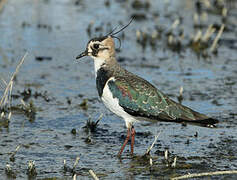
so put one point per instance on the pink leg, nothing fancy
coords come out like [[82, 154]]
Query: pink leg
[[132, 139], [125, 142]]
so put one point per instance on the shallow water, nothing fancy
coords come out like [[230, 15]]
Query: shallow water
[[58, 30]]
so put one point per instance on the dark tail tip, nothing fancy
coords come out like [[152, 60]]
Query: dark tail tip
[[205, 120], [209, 122]]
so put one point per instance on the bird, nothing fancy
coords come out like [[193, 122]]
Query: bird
[[131, 97]]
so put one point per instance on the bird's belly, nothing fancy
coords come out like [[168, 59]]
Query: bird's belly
[[113, 105]]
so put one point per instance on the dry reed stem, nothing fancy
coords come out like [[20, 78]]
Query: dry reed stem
[[166, 154], [181, 90], [174, 163], [149, 149], [7, 93], [195, 18], [175, 24], [210, 30], [206, 3], [205, 174], [93, 174], [151, 162], [9, 115], [14, 152], [224, 12], [198, 36], [99, 118], [213, 47], [76, 162], [23, 103]]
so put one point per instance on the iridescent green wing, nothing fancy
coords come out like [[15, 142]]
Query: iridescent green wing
[[140, 98]]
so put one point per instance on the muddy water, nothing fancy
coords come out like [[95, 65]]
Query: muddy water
[[55, 32]]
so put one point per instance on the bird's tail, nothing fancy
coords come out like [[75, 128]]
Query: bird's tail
[[203, 119], [197, 118], [187, 115]]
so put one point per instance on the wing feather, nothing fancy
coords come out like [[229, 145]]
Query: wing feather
[[140, 98]]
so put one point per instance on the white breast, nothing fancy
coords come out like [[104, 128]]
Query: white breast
[[113, 105], [98, 63]]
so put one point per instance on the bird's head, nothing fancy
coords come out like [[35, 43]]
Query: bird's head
[[102, 47]]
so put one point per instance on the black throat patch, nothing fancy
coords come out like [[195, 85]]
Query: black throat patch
[[101, 79]]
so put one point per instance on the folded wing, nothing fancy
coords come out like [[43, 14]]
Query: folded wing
[[141, 99]]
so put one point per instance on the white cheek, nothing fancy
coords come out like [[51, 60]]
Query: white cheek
[[98, 64]]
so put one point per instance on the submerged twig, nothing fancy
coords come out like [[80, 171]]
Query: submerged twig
[[31, 171], [9, 171], [29, 109], [4, 119], [205, 174]]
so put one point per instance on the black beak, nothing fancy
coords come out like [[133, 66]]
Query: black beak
[[85, 53]]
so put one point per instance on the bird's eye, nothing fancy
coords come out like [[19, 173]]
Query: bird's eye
[[96, 46]]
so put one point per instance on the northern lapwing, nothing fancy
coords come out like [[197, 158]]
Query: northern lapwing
[[130, 96]]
